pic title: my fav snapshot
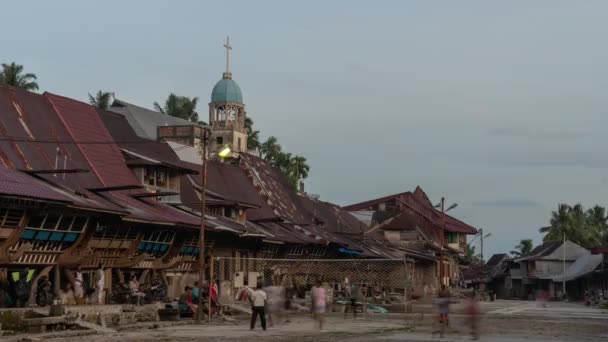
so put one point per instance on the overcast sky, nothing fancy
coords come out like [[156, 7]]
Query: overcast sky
[[497, 105]]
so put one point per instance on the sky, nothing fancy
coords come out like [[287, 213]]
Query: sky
[[500, 106]]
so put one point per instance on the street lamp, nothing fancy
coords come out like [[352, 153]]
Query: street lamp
[[443, 211], [223, 153]]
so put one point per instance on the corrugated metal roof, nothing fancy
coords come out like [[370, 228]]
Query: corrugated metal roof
[[15, 183], [144, 121]]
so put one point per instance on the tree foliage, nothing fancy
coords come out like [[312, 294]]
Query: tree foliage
[[253, 136], [12, 74], [101, 100], [294, 167], [524, 247], [182, 107], [588, 228]]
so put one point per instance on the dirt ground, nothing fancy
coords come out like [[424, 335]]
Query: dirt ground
[[386, 328], [508, 321]]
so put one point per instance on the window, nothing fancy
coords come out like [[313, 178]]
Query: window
[[219, 140], [240, 148], [36, 221], [161, 178], [10, 218], [51, 221], [149, 176], [452, 237]]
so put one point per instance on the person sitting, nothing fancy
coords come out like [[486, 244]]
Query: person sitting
[[187, 302], [134, 288], [196, 291]]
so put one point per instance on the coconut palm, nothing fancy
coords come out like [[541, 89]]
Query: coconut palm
[[253, 136], [270, 149], [182, 107], [101, 100], [586, 228], [523, 248], [298, 167], [12, 74]]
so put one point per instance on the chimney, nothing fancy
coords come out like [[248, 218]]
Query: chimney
[[301, 186]]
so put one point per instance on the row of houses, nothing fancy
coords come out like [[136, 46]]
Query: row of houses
[[83, 186], [547, 267]]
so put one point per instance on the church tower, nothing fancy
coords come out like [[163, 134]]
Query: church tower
[[227, 112]]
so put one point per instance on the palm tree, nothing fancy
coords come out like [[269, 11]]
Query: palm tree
[[282, 161], [298, 167], [101, 100], [182, 107], [524, 247], [270, 149], [253, 136], [586, 228], [559, 224], [11, 74]]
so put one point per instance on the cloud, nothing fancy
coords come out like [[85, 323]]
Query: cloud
[[509, 203], [537, 134]]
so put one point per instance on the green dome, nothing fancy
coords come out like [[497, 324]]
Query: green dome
[[226, 90]]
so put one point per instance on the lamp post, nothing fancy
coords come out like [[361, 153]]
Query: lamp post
[[206, 135], [443, 226]]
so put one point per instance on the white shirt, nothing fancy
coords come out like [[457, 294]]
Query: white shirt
[[258, 297]]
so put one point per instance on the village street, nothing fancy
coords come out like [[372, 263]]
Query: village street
[[508, 321]]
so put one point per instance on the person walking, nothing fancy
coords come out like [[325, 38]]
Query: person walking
[[442, 303], [319, 300], [100, 283], [351, 294], [258, 301], [473, 312]]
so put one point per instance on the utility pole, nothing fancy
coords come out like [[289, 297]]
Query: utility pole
[[481, 236], [201, 254], [564, 264], [441, 271]]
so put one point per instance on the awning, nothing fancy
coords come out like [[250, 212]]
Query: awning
[[583, 265]]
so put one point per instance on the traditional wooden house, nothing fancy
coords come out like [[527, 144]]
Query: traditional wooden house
[[409, 222]]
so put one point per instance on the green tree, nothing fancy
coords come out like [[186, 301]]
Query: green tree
[[298, 167], [182, 107], [101, 100], [586, 228], [469, 251], [253, 136], [524, 247], [294, 167], [270, 149], [12, 74]]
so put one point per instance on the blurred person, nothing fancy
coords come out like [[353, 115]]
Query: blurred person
[[275, 303], [186, 301], [318, 296], [473, 313], [258, 301], [67, 295], [196, 290], [442, 304], [134, 288], [79, 286], [100, 283], [351, 295]]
